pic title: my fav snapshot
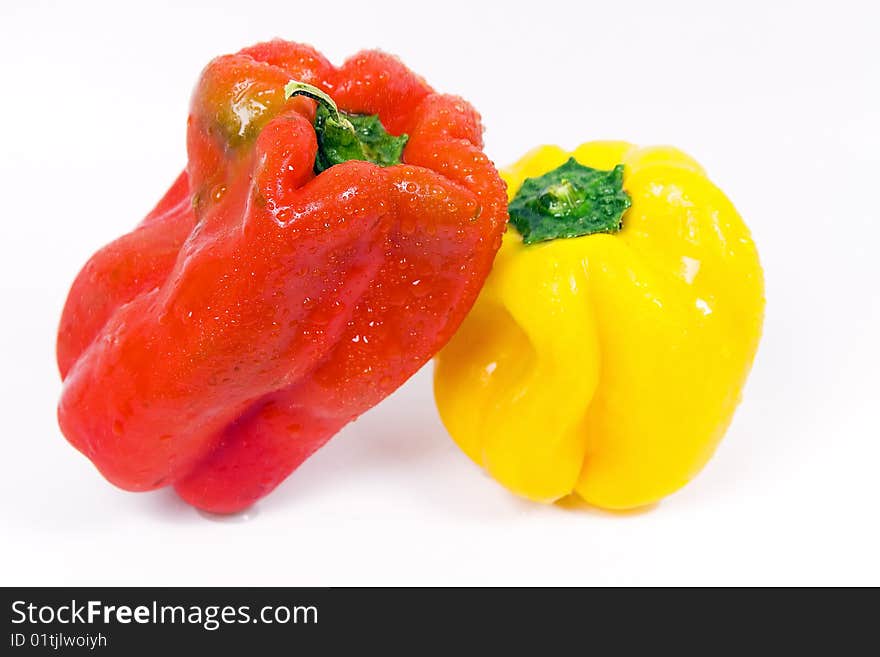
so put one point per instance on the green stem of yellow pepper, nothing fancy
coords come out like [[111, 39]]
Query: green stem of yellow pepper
[[570, 201]]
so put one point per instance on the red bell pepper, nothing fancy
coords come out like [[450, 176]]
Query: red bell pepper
[[310, 259]]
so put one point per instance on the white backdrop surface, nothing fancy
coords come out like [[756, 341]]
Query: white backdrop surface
[[779, 100]]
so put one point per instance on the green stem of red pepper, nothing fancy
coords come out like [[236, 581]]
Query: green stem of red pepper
[[295, 88], [343, 136]]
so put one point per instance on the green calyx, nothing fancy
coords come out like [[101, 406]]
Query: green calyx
[[569, 201], [343, 136]]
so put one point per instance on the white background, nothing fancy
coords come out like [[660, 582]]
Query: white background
[[778, 100]]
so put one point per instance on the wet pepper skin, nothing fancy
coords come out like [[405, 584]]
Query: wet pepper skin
[[261, 307], [609, 365]]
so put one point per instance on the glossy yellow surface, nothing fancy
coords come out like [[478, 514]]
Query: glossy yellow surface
[[609, 365]]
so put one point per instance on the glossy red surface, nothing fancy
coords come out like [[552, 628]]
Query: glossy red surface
[[259, 308]]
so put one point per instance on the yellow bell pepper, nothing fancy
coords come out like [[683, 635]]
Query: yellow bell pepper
[[608, 365]]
